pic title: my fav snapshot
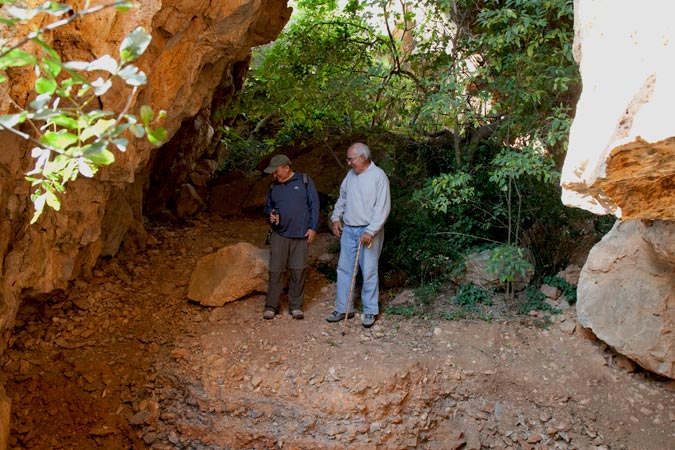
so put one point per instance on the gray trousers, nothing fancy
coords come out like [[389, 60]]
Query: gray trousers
[[291, 254]]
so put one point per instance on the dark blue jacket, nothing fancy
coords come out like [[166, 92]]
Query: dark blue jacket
[[297, 205]]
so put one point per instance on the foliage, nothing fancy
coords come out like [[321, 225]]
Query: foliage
[[508, 262], [471, 295], [418, 245], [534, 301], [319, 75], [238, 153], [482, 92], [405, 310], [71, 136]]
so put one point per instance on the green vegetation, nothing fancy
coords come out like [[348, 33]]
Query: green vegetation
[[471, 296], [467, 106], [566, 289], [71, 136]]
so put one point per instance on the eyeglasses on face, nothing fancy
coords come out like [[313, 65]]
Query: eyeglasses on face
[[352, 158]]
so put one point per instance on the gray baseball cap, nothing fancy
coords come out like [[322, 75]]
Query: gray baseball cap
[[276, 161]]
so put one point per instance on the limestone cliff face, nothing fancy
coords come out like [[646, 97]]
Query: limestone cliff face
[[199, 52], [620, 161], [621, 143]]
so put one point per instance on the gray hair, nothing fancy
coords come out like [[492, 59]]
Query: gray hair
[[361, 150]]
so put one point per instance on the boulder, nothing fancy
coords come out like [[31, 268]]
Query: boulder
[[188, 201], [626, 293], [229, 274]]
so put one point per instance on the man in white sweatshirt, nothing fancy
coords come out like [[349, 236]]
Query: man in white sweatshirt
[[358, 219]]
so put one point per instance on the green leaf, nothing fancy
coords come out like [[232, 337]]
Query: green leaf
[[52, 66], [106, 63], [146, 114], [45, 85], [101, 86], [57, 164], [156, 136], [59, 140], [124, 7], [63, 120], [98, 154], [8, 22], [86, 168], [98, 129], [54, 8], [137, 130], [39, 204], [21, 13], [11, 120], [17, 58], [69, 172], [132, 75], [135, 44], [121, 144], [76, 65], [40, 101]]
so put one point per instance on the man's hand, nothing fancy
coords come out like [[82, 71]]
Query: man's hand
[[310, 235], [336, 228], [367, 239]]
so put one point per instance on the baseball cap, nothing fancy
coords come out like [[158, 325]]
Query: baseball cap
[[276, 161]]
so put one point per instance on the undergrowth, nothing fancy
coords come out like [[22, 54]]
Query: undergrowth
[[468, 301]]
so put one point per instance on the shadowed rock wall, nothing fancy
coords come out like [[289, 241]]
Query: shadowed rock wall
[[200, 50]]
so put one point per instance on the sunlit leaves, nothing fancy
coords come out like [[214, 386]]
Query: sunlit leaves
[[134, 45], [74, 140], [448, 189]]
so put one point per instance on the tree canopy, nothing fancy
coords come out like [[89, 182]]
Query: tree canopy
[[483, 90]]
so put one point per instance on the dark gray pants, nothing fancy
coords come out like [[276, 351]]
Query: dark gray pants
[[291, 254]]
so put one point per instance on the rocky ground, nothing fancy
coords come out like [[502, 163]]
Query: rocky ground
[[124, 361]]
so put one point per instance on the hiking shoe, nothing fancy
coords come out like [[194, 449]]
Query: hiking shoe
[[336, 316], [269, 314], [368, 320], [297, 314]]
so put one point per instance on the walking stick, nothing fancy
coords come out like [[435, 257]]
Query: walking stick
[[351, 289]]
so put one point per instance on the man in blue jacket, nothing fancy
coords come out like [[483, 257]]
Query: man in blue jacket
[[292, 205], [358, 220]]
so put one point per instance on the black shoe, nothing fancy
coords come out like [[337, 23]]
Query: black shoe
[[336, 316], [368, 320]]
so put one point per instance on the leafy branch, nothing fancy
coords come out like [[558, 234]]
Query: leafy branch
[[71, 136]]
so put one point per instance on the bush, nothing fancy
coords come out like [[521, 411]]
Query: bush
[[470, 296]]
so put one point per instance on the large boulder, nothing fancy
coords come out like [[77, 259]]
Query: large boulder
[[626, 293], [229, 274]]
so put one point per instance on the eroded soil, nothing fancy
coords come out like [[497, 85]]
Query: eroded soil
[[125, 361]]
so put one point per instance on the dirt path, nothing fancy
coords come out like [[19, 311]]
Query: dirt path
[[124, 361]]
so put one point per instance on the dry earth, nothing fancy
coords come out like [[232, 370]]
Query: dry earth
[[125, 361]]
